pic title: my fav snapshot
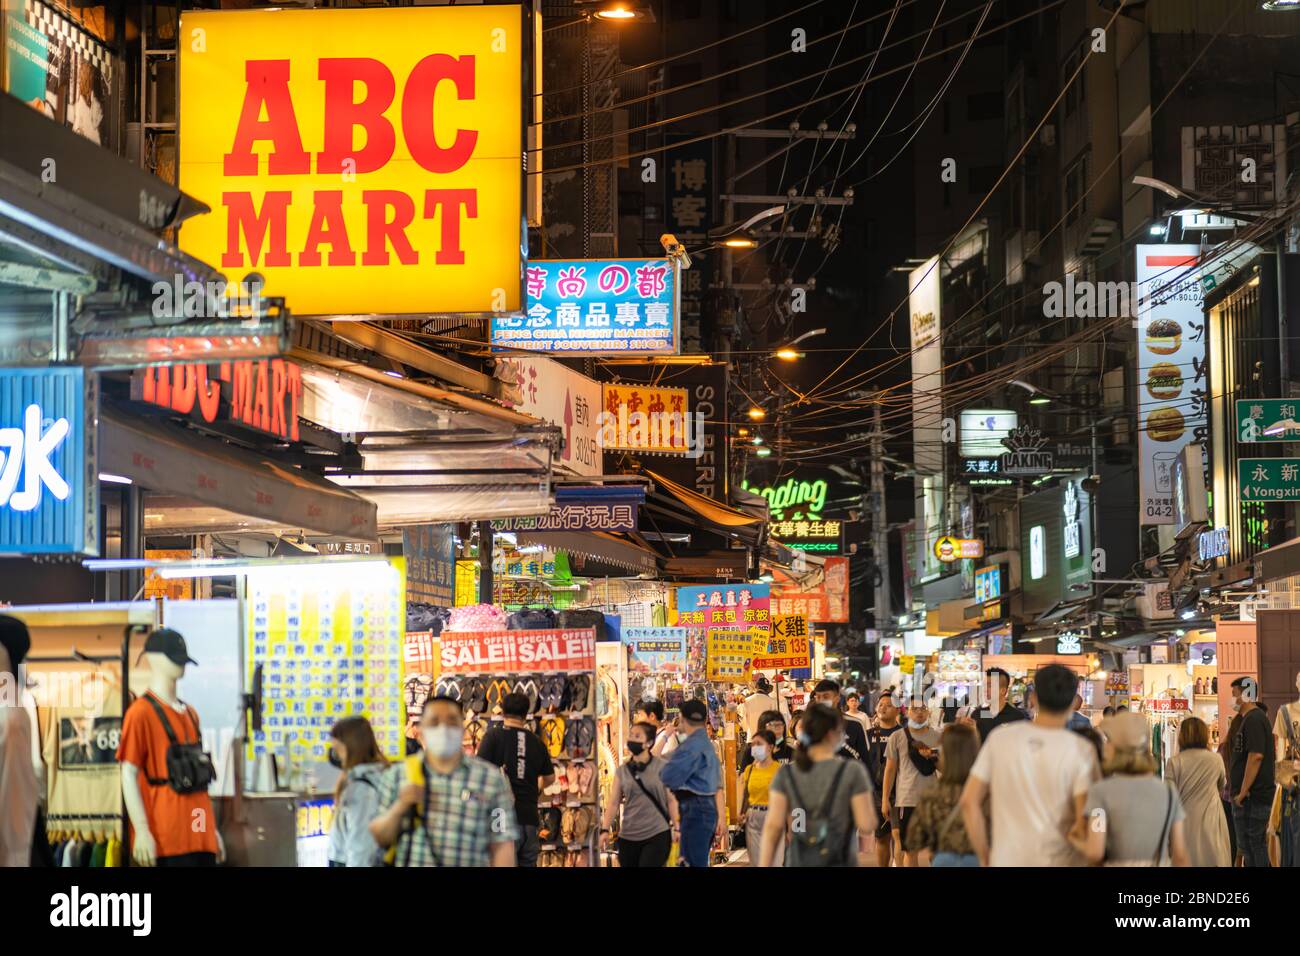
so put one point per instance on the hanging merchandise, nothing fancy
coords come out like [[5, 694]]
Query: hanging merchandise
[[554, 668]]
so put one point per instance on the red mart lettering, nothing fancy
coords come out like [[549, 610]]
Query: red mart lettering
[[263, 230], [264, 395]]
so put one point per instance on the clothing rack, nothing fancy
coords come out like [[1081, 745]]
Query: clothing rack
[[124, 660]]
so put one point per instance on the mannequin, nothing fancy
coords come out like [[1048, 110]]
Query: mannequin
[[169, 828], [18, 795]]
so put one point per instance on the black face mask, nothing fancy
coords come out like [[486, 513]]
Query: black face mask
[[334, 760], [634, 747]]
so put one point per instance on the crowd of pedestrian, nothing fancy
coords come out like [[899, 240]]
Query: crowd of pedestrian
[[834, 786]]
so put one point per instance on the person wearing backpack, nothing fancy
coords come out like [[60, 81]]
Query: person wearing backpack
[[936, 825], [823, 800], [645, 833], [911, 764], [354, 750]]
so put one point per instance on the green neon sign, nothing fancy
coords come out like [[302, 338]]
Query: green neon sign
[[809, 497]]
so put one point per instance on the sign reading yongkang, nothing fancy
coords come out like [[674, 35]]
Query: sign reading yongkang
[[362, 161]]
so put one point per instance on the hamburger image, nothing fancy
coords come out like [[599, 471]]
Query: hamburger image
[[1164, 380], [1165, 424], [1164, 336]]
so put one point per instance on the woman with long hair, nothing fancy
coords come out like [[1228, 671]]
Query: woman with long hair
[[1199, 775], [936, 823], [823, 800], [1132, 817], [355, 751]]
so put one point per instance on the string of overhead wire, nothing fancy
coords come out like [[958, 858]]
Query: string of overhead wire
[[727, 131], [1043, 238]]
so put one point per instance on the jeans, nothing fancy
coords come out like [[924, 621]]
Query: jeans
[[699, 820], [955, 859], [645, 853], [1250, 820], [1291, 828], [527, 846]]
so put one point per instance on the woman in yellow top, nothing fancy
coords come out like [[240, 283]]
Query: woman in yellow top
[[754, 784]]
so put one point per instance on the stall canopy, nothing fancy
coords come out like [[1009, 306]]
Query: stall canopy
[[680, 503], [196, 483], [425, 456], [603, 547]]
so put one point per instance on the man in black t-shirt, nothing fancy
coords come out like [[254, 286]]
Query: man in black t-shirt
[[855, 738], [523, 758], [999, 683], [887, 723], [1250, 775]]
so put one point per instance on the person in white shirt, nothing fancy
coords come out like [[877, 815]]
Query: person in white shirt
[[758, 703], [652, 712], [1036, 776], [854, 704]]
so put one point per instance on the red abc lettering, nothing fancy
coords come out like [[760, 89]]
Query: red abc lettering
[[417, 112], [342, 115], [267, 85]]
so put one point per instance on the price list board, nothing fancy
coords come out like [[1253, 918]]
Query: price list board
[[329, 641]]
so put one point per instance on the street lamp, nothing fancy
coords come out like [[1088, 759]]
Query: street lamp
[[757, 414], [788, 352], [742, 235]]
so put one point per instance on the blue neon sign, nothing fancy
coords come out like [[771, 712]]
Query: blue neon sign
[[49, 487], [595, 307]]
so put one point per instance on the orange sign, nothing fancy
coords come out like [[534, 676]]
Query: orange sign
[[644, 418], [361, 160]]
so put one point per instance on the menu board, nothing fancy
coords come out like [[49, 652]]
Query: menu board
[[328, 638]]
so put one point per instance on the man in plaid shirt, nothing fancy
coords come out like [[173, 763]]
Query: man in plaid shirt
[[446, 808]]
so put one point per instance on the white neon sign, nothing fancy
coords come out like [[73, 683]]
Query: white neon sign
[[25, 452], [1073, 530], [1037, 552]]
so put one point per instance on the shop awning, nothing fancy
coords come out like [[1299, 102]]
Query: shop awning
[[197, 483], [683, 504], [599, 545]]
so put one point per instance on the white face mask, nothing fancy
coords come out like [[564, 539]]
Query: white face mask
[[442, 742], [760, 753], [917, 724]]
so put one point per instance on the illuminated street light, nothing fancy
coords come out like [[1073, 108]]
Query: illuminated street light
[[757, 414], [788, 354], [743, 432], [763, 452]]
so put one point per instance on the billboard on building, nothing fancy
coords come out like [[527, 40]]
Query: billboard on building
[[925, 309], [363, 161]]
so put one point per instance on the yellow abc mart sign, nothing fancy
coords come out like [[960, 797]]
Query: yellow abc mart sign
[[360, 160]]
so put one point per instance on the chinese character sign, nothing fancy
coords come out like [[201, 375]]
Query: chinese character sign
[[329, 642], [655, 649], [723, 605], [645, 418], [430, 563], [595, 307], [729, 656], [787, 646], [812, 605], [49, 482]]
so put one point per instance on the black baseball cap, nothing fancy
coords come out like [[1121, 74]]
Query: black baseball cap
[[166, 641], [694, 709], [15, 639]]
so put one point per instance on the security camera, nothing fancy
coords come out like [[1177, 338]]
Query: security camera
[[675, 250]]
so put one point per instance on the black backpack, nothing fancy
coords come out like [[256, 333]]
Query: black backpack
[[189, 769]]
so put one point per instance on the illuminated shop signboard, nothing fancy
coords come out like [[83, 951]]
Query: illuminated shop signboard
[[363, 161], [595, 307], [265, 395], [800, 498], [49, 483]]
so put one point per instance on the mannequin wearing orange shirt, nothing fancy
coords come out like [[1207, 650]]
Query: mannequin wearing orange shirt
[[167, 826]]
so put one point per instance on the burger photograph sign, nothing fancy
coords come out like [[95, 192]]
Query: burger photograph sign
[[1172, 376]]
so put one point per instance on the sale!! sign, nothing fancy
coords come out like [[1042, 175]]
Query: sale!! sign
[[361, 161], [508, 652]]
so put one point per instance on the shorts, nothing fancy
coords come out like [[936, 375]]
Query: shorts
[[902, 816]]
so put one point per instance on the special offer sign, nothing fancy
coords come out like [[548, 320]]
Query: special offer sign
[[360, 160], [502, 652]]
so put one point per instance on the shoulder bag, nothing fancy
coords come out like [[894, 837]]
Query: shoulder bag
[[189, 769], [636, 777], [925, 766]]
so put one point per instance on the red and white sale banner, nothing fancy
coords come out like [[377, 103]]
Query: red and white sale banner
[[508, 652]]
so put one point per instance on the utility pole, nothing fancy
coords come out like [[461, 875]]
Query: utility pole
[[879, 518]]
